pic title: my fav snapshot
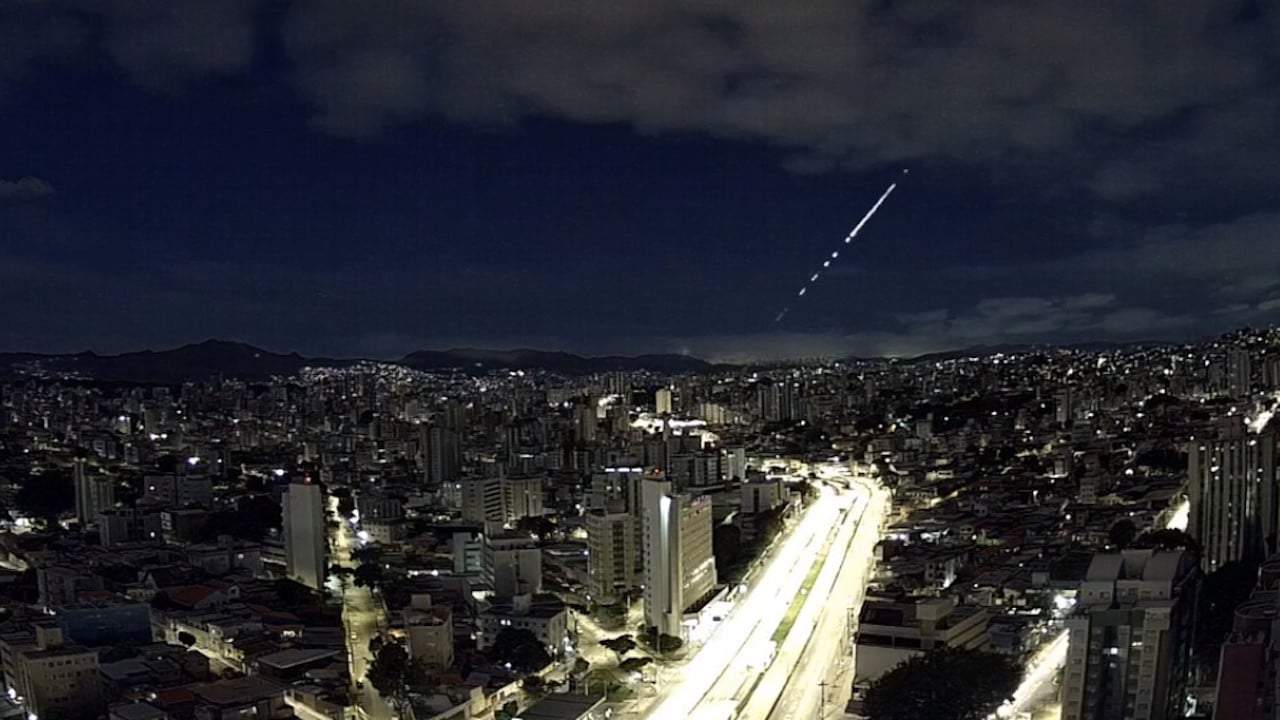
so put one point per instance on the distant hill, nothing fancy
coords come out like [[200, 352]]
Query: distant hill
[[189, 362], [562, 362], [1009, 349], [204, 360]]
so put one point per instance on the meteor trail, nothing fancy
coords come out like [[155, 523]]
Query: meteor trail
[[848, 239]]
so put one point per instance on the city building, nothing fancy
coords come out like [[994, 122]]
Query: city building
[[55, 679], [513, 566], [1235, 503], [129, 525], [890, 633], [613, 567], [662, 401], [305, 535], [679, 568], [1130, 637], [94, 493], [545, 616], [177, 491], [441, 454], [429, 631]]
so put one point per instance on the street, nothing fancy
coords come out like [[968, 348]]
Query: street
[[363, 617], [742, 670]]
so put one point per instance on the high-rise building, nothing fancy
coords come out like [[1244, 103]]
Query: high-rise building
[[56, 679], [513, 566], [117, 526], [679, 567], [662, 401], [1130, 637], [175, 491], [735, 463], [778, 400], [94, 494], [1232, 477], [760, 498], [441, 455], [429, 631], [522, 497], [612, 567], [1239, 372], [586, 423], [482, 500], [305, 541]]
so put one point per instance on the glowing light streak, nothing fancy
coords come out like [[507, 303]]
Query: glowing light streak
[[835, 254]]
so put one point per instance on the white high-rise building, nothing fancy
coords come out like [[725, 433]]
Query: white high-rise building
[[305, 540], [662, 401], [1130, 637], [679, 568]]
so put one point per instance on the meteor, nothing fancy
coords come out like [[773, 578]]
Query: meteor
[[848, 239]]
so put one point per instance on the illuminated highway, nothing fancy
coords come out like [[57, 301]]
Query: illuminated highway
[[815, 665], [740, 671]]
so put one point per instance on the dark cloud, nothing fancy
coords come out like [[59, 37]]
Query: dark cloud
[[834, 82], [24, 190]]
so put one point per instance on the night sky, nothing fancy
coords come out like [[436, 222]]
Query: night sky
[[371, 178]]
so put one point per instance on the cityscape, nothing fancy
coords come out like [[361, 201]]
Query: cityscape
[[412, 360], [1092, 528]]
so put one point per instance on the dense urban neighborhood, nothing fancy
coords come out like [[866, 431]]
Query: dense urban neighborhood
[[366, 539]]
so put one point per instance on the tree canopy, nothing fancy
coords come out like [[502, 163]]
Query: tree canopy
[[46, 496], [620, 645], [521, 648], [944, 684], [392, 673]]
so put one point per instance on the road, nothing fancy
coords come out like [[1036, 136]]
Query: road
[[739, 672], [815, 663], [364, 618]]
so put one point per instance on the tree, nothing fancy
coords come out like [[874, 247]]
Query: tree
[[367, 554], [534, 684], [634, 664], [46, 496], [390, 673], [539, 525], [1122, 533], [944, 684], [346, 504], [620, 645], [521, 648], [1169, 539], [370, 575]]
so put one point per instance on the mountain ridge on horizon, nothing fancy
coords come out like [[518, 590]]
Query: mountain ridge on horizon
[[233, 358]]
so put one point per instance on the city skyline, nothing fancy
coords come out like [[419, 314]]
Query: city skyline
[[370, 182]]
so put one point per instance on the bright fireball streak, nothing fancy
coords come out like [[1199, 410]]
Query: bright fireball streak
[[848, 239]]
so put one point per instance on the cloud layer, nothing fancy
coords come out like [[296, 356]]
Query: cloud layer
[[832, 82], [24, 190]]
